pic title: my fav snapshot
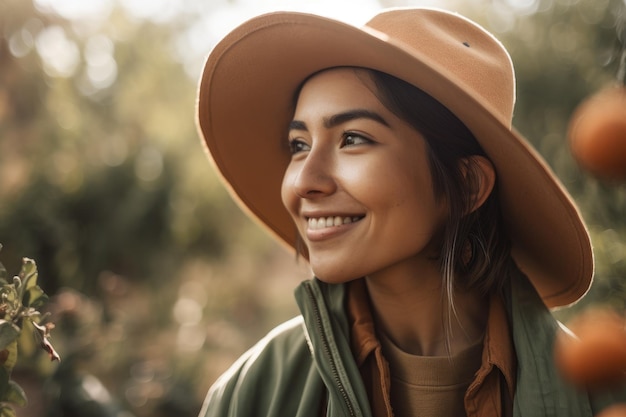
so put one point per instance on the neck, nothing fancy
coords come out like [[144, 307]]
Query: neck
[[411, 309]]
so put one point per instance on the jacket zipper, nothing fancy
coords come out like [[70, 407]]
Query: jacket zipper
[[326, 349]]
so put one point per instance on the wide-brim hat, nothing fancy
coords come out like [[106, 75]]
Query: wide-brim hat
[[246, 101]]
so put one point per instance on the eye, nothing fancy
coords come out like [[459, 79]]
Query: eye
[[353, 139], [297, 146]]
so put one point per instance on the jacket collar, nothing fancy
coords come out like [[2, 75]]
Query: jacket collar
[[539, 389]]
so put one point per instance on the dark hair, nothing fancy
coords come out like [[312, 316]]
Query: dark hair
[[475, 250]]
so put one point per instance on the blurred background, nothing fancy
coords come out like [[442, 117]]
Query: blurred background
[[158, 282]]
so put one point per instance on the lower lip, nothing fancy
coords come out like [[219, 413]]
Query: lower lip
[[317, 235]]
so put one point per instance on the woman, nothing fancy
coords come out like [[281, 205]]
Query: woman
[[438, 238]]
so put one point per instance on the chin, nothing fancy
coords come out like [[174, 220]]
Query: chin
[[335, 278]]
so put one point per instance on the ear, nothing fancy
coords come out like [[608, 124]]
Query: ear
[[482, 181]]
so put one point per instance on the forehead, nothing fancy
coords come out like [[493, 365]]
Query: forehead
[[338, 88]]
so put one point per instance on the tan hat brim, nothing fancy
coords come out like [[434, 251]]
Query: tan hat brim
[[245, 104]]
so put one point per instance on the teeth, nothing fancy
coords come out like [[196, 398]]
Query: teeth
[[330, 221]]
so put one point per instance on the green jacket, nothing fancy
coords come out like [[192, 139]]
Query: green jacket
[[306, 363]]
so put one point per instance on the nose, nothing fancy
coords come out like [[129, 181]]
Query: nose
[[313, 176]]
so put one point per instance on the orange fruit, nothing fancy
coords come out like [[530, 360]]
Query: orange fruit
[[618, 410], [596, 356], [597, 134]]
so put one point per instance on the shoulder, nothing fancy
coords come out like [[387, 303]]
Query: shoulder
[[280, 360], [272, 353]]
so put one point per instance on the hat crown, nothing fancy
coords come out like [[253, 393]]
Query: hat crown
[[460, 48]]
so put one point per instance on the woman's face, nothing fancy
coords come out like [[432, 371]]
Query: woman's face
[[358, 185]]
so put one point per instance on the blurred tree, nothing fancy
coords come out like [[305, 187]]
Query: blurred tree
[[104, 182], [100, 170], [565, 51]]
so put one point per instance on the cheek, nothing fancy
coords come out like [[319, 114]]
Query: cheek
[[287, 192], [410, 195]]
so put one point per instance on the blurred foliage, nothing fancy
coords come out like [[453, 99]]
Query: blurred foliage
[[20, 300], [564, 51], [77, 160], [104, 182], [153, 272]]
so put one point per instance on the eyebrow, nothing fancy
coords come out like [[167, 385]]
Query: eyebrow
[[340, 118]]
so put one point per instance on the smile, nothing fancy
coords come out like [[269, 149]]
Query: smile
[[317, 223]]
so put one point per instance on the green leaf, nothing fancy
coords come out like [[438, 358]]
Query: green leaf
[[28, 274], [11, 357], [15, 394], [34, 297], [3, 272], [28, 341], [4, 383], [9, 294], [6, 411], [8, 333]]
